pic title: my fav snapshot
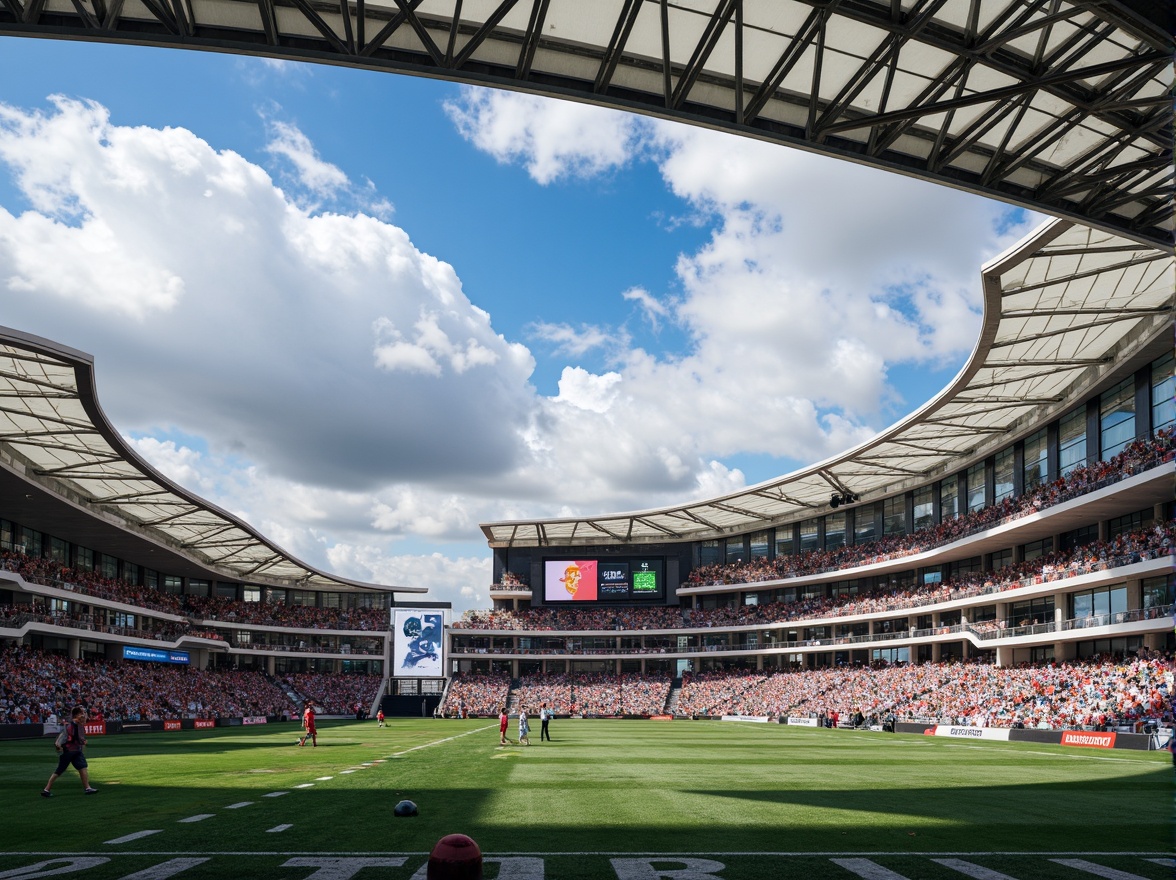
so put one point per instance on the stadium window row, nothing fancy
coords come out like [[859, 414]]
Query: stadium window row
[[1057, 546]]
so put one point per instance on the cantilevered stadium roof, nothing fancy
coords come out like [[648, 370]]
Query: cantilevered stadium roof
[[1058, 105], [57, 445], [1061, 310]]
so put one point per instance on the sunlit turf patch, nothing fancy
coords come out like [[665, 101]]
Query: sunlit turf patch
[[602, 787]]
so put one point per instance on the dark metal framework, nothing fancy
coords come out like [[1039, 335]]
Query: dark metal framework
[[1063, 106]]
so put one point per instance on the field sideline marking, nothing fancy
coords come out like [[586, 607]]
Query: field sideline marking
[[127, 838], [447, 739], [868, 870], [1097, 870], [977, 872], [1149, 856], [167, 869]]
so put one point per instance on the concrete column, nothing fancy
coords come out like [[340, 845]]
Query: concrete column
[[1134, 594], [269, 665], [1004, 655], [759, 662], [75, 649], [936, 651]]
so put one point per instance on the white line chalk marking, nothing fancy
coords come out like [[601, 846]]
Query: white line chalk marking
[[129, 837], [1097, 870], [275, 794], [978, 872], [167, 869], [239, 805], [277, 829], [867, 870]]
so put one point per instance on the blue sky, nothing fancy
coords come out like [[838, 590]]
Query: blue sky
[[367, 312]]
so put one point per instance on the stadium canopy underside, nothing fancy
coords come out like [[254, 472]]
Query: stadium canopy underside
[[78, 477], [1062, 309], [1063, 106]]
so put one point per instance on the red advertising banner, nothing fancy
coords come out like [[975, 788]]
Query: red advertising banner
[[96, 729], [1089, 739], [172, 725], [203, 723], [253, 719]]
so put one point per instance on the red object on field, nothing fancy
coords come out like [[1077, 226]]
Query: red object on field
[[455, 857]]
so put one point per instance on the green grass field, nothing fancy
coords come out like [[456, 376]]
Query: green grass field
[[615, 799]]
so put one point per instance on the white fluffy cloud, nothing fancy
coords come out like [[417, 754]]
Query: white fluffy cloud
[[320, 177], [553, 139], [818, 278], [354, 404]]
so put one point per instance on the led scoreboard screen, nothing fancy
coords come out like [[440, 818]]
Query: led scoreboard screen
[[599, 580]]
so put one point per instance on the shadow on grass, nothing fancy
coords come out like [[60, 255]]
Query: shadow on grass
[[1130, 814]]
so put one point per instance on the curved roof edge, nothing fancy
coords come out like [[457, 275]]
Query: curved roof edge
[[1062, 308], [55, 436], [1061, 106]]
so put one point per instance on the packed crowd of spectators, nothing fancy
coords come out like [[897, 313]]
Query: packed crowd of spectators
[[348, 694], [472, 693], [295, 616], [1137, 457], [554, 689], [1098, 692], [1083, 693], [573, 619], [629, 694], [192, 608], [53, 574], [36, 685], [16, 616], [512, 581], [1153, 542]]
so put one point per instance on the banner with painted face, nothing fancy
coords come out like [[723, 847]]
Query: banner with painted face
[[418, 643]]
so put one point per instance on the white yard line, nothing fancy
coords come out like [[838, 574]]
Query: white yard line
[[447, 739], [239, 805], [277, 829], [1097, 870], [168, 869], [867, 870], [276, 794], [978, 872], [129, 837], [199, 817]]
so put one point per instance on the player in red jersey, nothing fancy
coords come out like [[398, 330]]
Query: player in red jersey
[[308, 726]]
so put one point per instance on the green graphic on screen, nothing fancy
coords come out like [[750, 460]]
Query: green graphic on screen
[[645, 582]]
